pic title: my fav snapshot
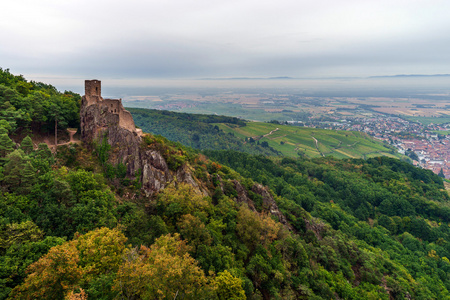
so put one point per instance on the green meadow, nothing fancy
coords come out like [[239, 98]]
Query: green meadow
[[312, 142], [428, 120]]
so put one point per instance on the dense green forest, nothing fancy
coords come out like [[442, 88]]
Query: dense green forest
[[35, 105], [381, 204], [196, 131], [74, 227]]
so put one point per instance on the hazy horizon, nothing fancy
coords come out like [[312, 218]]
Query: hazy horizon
[[337, 87]]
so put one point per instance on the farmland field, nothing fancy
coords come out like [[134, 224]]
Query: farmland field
[[428, 120], [311, 142]]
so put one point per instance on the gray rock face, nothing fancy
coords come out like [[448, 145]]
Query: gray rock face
[[242, 195], [269, 203]]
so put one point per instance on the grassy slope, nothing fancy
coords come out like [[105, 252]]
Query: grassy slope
[[427, 120], [290, 140]]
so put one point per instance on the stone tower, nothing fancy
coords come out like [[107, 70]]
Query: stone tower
[[93, 91], [98, 114]]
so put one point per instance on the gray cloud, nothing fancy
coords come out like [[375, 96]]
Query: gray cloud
[[199, 38]]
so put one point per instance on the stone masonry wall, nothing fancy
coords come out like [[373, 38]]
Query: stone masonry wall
[[107, 107]]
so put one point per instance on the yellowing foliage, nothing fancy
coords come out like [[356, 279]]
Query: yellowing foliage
[[76, 296], [180, 200], [62, 270], [229, 287], [185, 195], [254, 228], [163, 271], [101, 250], [193, 230], [52, 276]]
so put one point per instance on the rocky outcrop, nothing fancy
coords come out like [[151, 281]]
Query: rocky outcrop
[[99, 120], [146, 164], [242, 195], [269, 203]]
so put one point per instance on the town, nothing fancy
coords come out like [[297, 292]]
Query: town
[[427, 146]]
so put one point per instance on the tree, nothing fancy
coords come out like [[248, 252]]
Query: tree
[[52, 276], [175, 201], [255, 229], [163, 271], [21, 254], [411, 154], [229, 287], [6, 144], [27, 145], [19, 173], [17, 233], [441, 173], [100, 251], [83, 261], [42, 158], [194, 231]]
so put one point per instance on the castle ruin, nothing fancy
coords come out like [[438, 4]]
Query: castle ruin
[[106, 120], [111, 110]]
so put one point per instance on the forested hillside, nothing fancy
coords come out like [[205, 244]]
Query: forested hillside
[[73, 226], [35, 105], [196, 131], [382, 204]]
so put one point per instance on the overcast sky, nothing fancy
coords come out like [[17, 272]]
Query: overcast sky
[[110, 39]]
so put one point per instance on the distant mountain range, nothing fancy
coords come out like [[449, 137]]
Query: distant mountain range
[[411, 75], [249, 78], [304, 78]]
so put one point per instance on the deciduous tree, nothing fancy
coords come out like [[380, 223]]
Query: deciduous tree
[[163, 271]]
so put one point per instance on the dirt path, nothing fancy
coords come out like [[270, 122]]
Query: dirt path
[[265, 135], [276, 129], [317, 146], [72, 140]]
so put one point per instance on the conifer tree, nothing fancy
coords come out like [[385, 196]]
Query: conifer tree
[[28, 177], [42, 158], [6, 144], [27, 145], [19, 173]]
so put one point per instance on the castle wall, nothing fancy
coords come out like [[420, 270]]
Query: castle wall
[[115, 106], [109, 112], [126, 120], [112, 105]]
